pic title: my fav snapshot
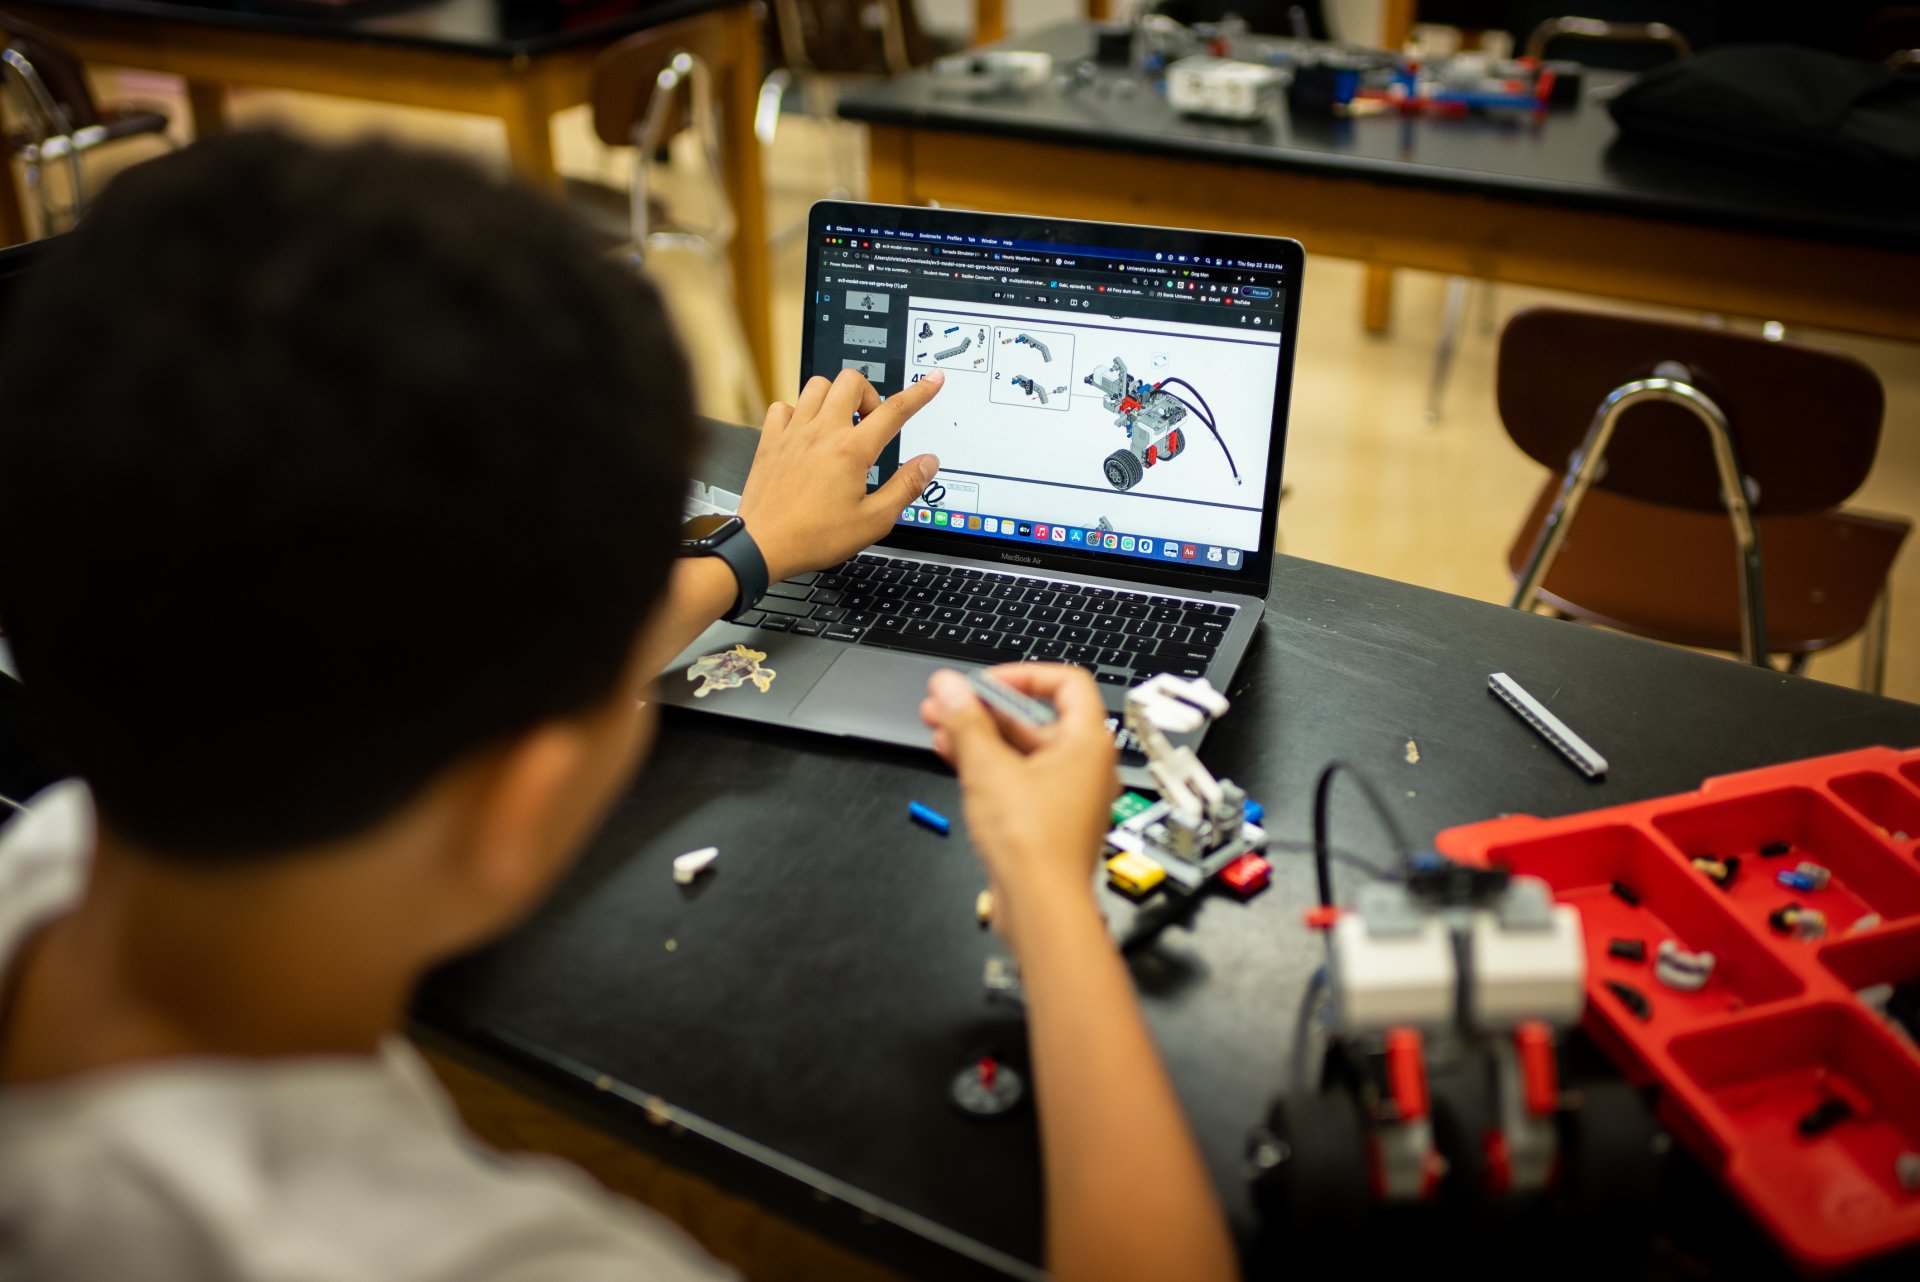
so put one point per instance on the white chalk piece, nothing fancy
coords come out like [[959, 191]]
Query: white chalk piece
[[690, 865]]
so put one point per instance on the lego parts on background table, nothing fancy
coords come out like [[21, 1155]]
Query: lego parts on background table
[[1793, 1066]]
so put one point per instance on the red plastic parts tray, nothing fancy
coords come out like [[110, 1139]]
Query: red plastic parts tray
[[1779, 1029]]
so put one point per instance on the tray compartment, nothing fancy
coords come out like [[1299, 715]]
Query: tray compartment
[[1867, 876], [1885, 802], [1833, 1197], [1675, 903], [1887, 956]]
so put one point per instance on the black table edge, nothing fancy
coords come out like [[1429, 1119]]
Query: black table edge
[[867, 1225]]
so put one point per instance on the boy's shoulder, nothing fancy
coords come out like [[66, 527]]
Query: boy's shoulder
[[321, 1168], [314, 1170]]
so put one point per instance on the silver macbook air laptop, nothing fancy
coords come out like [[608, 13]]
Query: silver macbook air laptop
[[1110, 437]]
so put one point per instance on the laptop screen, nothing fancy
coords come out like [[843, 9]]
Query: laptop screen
[[1115, 396]]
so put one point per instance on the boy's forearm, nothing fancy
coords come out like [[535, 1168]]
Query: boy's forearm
[[701, 589], [1111, 1128]]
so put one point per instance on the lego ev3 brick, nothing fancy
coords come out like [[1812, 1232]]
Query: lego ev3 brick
[[1396, 979], [1527, 973]]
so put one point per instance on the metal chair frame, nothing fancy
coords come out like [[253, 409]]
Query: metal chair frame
[[1594, 29], [1671, 382], [50, 137], [686, 71], [819, 93]]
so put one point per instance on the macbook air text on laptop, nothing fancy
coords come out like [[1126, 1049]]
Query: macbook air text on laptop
[[1110, 439]]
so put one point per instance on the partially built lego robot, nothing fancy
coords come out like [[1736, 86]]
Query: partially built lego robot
[[1152, 416]]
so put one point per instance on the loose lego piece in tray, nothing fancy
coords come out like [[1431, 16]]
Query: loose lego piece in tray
[[1804, 876], [1824, 1116], [1633, 950], [1799, 922], [1679, 969], [1720, 872], [1632, 998]]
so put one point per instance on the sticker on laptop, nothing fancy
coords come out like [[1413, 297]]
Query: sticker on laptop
[[730, 669]]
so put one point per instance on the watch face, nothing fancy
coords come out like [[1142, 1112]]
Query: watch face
[[701, 531]]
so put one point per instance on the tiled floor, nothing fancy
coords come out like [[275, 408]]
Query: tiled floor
[[1373, 486]]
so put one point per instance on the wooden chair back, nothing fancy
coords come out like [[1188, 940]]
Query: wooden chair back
[[624, 76], [1805, 421]]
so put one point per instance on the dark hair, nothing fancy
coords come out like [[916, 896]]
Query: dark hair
[[321, 468]]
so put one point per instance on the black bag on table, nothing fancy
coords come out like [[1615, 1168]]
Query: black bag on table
[[1781, 105]]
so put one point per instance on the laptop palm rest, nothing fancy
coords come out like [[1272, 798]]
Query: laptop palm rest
[[872, 694]]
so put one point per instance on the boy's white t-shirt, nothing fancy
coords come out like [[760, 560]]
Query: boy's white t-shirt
[[316, 1170]]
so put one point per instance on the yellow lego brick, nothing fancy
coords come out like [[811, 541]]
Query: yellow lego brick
[[1134, 874]]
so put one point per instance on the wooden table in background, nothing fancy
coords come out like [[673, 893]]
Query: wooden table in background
[[990, 18], [445, 55]]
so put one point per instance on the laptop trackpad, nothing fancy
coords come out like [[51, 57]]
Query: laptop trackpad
[[873, 694]]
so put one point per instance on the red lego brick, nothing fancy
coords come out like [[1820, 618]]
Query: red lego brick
[[1246, 876], [1539, 1071]]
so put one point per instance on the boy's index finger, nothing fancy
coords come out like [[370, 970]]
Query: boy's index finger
[[884, 422]]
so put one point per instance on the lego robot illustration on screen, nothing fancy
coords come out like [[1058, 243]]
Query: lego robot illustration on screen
[[1154, 417]]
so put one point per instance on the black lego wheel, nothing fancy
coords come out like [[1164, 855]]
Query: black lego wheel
[[1313, 1180], [1123, 469], [1613, 1152]]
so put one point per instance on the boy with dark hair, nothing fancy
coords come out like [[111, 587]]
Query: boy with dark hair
[[338, 498]]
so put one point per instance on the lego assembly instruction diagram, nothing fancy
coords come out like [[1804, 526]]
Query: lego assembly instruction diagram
[[1155, 429]]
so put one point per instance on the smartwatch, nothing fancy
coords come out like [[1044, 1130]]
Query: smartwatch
[[726, 537]]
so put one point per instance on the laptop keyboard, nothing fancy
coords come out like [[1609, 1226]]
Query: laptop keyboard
[[961, 612]]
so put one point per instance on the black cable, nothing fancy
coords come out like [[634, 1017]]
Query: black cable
[[1205, 417], [1322, 857], [1347, 857]]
